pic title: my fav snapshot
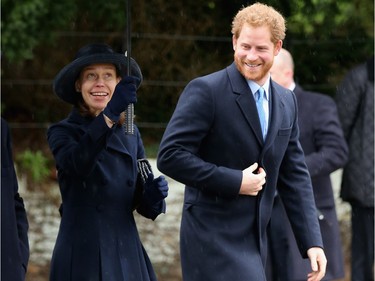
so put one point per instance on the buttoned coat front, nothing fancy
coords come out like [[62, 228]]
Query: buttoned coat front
[[97, 172], [213, 135]]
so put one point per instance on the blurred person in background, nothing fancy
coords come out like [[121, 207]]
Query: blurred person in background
[[326, 150], [14, 224], [355, 103], [98, 170], [233, 137]]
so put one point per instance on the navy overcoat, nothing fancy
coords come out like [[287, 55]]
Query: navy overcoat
[[213, 135], [14, 224], [326, 150], [97, 172]]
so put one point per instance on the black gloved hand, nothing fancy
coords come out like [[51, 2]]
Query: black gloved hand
[[155, 190], [144, 169], [124, 94]]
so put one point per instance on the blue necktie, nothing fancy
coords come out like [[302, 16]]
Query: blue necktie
[[259, 96]]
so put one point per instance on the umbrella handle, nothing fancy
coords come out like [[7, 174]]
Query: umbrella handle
[[129, 124]]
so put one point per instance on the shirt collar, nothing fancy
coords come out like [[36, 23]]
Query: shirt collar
[[292, 86], [254, 87]]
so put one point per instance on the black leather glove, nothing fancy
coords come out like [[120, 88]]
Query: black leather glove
[[155, 190], [124, 94]]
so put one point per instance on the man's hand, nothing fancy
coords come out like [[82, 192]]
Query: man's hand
[[253, 180], [318, 263]]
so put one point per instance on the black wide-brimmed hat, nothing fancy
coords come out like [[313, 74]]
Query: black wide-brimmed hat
[[64, 82]]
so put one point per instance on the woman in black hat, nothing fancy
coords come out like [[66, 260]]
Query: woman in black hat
[[99, 181]]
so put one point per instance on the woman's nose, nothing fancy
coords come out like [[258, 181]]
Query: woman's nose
[[99, 81]]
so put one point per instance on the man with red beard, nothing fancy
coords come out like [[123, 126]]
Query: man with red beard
[[232, 139]]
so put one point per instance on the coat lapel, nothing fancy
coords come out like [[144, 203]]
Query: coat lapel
[[275, 117], [245, 100], [118, 142], [115, 141]]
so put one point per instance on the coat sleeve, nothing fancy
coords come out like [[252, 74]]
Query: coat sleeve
[[179, 155], [295, 189], [151, 212], [19, 207], [349, 96], [331, 149], [22, 226], [76, 151], [144, 209]]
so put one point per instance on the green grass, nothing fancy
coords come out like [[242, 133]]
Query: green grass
[[151, 149]]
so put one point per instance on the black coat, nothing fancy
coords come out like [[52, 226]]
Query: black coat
[[325, 149], [322, 140], [355, 103], [14, 224], [97, 173], [213, 135]]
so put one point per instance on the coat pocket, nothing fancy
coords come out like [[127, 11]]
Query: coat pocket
[[284, 131]]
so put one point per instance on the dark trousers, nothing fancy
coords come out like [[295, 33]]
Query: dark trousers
[[362, 244]]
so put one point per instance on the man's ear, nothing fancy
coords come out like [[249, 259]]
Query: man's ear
[[234, 42], [278, 47]]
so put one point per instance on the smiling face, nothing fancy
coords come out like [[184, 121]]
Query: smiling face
[[97, 83], [254, 52]]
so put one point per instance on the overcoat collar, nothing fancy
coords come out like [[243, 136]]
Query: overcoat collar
[[248, 108], [298, 91]]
